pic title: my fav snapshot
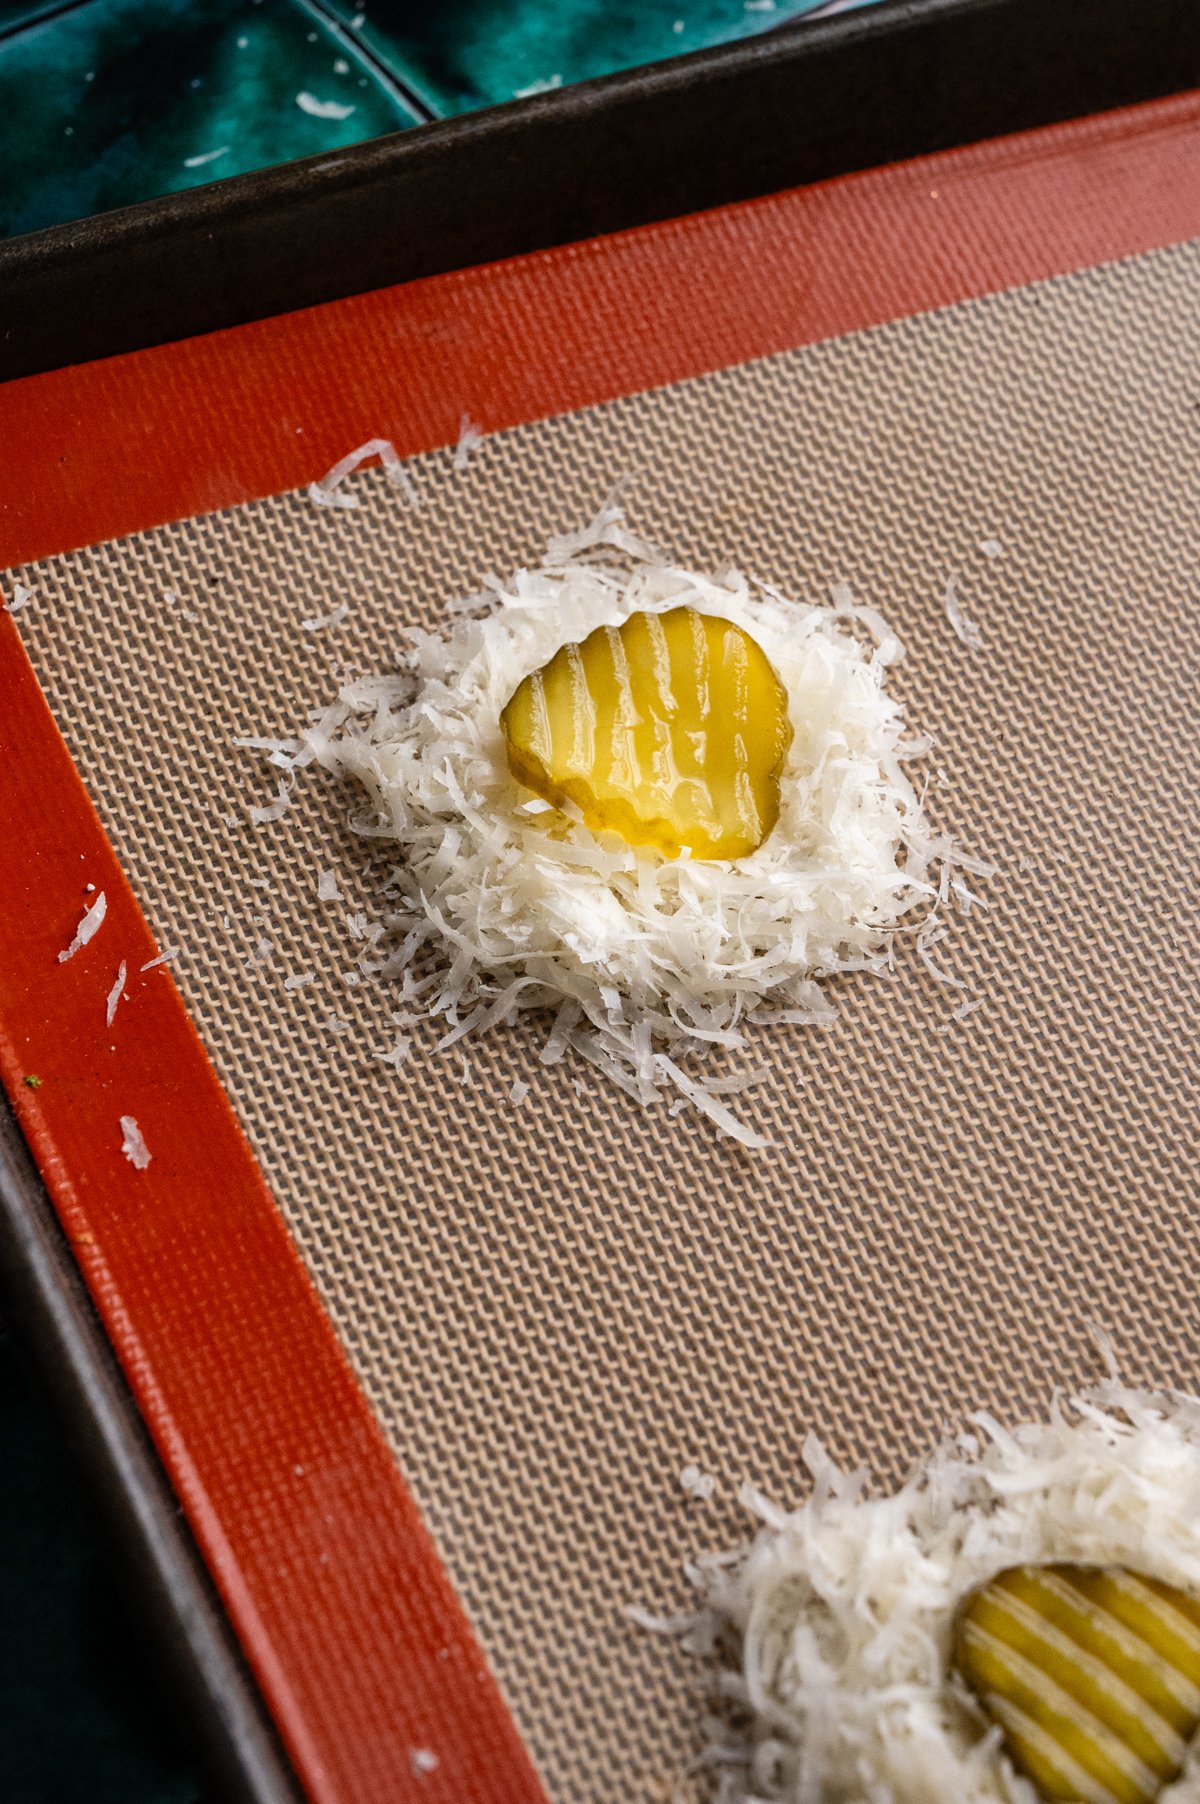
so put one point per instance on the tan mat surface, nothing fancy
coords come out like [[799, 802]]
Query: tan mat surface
[[555, 1308]]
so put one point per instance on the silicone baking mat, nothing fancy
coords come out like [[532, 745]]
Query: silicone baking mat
[[553, 1308]]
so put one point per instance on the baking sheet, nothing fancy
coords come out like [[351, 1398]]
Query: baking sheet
[[554, 1308]]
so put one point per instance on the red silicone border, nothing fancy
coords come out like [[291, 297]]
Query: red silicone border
[[112, 447], [295, 1500], [337, 1593]]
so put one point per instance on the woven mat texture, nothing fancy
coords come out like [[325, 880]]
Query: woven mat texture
[[554, 1308]]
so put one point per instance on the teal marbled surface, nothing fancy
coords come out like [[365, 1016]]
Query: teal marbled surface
[[109, 102]]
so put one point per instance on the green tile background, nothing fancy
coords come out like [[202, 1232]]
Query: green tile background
[[464, 54], [108, 102], [104, 105]]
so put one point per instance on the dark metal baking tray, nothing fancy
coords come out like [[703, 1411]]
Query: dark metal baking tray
[[796, 105], [801, 104]]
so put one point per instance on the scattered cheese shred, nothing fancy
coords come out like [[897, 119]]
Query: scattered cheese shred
[[327, 620], [164, 958], [86, 928], [272, 811], [469, 436], [327, 887], [650, 964], [132, 1144], [286, 754], [21, 598], [322, 109], [696, 1483], [545, 84], [115, 995], [932, 934], [205, 156], [328, 492], [963, 628], [838, 1615]]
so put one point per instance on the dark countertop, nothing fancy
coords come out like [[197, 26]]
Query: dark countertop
[[83, 1718]]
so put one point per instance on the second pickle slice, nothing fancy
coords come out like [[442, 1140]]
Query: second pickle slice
[[1092, 1672]]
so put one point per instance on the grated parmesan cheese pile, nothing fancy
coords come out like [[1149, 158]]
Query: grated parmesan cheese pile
[[836, 1620], [646, 963]]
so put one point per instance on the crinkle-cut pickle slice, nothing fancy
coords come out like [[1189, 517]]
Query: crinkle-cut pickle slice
[[670, 730], [1093, 1673]]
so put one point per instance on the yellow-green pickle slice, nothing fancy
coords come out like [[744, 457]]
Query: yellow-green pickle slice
[[1093, 1673], [670, 730]]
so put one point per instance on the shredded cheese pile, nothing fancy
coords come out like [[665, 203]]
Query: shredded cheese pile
[[836, 1621], [646, 963]]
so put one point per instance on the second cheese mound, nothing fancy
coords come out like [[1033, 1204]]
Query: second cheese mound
[[670, 730]]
